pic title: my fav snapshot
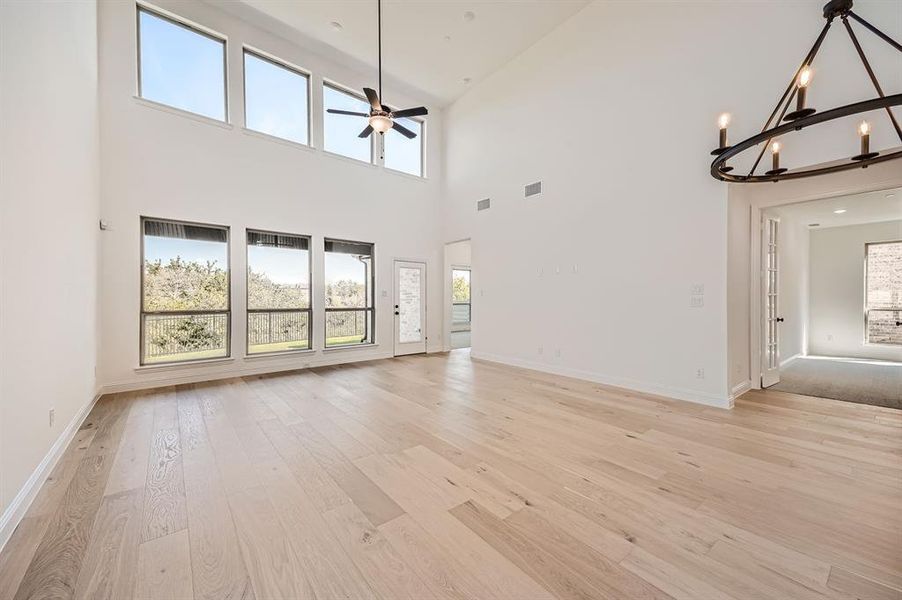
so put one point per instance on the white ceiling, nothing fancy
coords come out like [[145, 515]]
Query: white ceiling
[[871, 207], [431, 45]]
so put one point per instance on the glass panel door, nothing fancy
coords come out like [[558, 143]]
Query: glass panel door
[[410, 307]]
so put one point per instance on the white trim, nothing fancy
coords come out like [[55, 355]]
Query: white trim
[[16, 510], [740, 389], [181, 112], [669, 392], [302, 362], [185, 364], [783, 363]]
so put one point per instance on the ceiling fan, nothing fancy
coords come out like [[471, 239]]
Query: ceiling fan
[[381, 116]]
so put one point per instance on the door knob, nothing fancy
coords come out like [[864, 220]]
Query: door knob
[[397, 313], [779, 319]]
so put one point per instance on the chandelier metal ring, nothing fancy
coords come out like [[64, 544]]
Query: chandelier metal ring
[[782, 121], [818, 117]]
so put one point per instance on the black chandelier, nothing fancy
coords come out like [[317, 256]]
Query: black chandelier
[[780, 122]]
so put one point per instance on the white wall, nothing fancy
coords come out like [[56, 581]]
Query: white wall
[[837, 290], [49, 199], [164, 164]]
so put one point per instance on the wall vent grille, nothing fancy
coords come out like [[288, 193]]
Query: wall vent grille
[[533, 189], [483, 204]]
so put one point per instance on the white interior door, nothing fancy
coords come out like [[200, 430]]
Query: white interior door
[[410, 307], [770, 361]]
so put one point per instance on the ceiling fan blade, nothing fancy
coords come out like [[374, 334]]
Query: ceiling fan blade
[[410, 112], [403, 131], [336, 111], [366, 132], [373, 97]]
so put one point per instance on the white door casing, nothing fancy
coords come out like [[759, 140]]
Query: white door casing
[[410, 307]]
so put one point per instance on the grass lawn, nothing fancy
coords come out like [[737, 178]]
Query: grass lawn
[[278, 347], [255, 349], [201, 354], [342, 341]]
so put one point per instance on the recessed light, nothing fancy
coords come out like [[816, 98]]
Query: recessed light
[[469, 16], [336, 26], [839, 211], [447, 38], [467, 80], [814, 224]]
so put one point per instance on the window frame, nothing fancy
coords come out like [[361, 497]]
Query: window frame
[[371, 309], [194, 28], [422, 138], [350, 92], [227, 311], [867, 311], [247, 293], [290, 67]]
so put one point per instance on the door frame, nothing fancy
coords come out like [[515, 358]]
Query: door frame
[[760, 198], [394, 289]]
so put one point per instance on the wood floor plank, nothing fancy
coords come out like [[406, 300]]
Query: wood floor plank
[[272, 564], [110, 567], [164, 568], [218, 570], [380, 563], [57, 561], [164, 498]]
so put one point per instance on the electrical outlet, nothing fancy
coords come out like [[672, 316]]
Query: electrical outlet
[[52, 416], [830, 337], [697, 289], [696, 301], [699, 373]]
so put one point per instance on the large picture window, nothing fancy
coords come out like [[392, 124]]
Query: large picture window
[[350, 284], [340, 132], [403, 154], [184, 291], [278, 292], [181, 66], [275, 98], [883, 293]]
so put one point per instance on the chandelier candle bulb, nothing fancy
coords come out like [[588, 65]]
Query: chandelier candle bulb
[[723, 121], [775, 150], [804, 80], [864, 130]]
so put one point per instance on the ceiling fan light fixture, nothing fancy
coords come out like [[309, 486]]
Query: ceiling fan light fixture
[[381, 123]]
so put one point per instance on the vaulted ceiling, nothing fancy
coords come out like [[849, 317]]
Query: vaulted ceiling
[[439, 47]]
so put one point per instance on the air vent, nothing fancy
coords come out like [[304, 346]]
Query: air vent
[[483, 204], [533, 189]]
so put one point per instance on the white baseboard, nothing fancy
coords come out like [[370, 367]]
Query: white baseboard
[[675, 393], [790, 359], [20, 504], [292, 363], [740, 389]]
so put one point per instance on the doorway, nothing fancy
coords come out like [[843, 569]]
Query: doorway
[[458, 313], [831, 298], [410, 307]]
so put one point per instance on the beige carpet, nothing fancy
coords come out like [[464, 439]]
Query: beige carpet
[[852, 380]]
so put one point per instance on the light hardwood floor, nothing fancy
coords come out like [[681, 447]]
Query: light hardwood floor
[[442, 477]]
